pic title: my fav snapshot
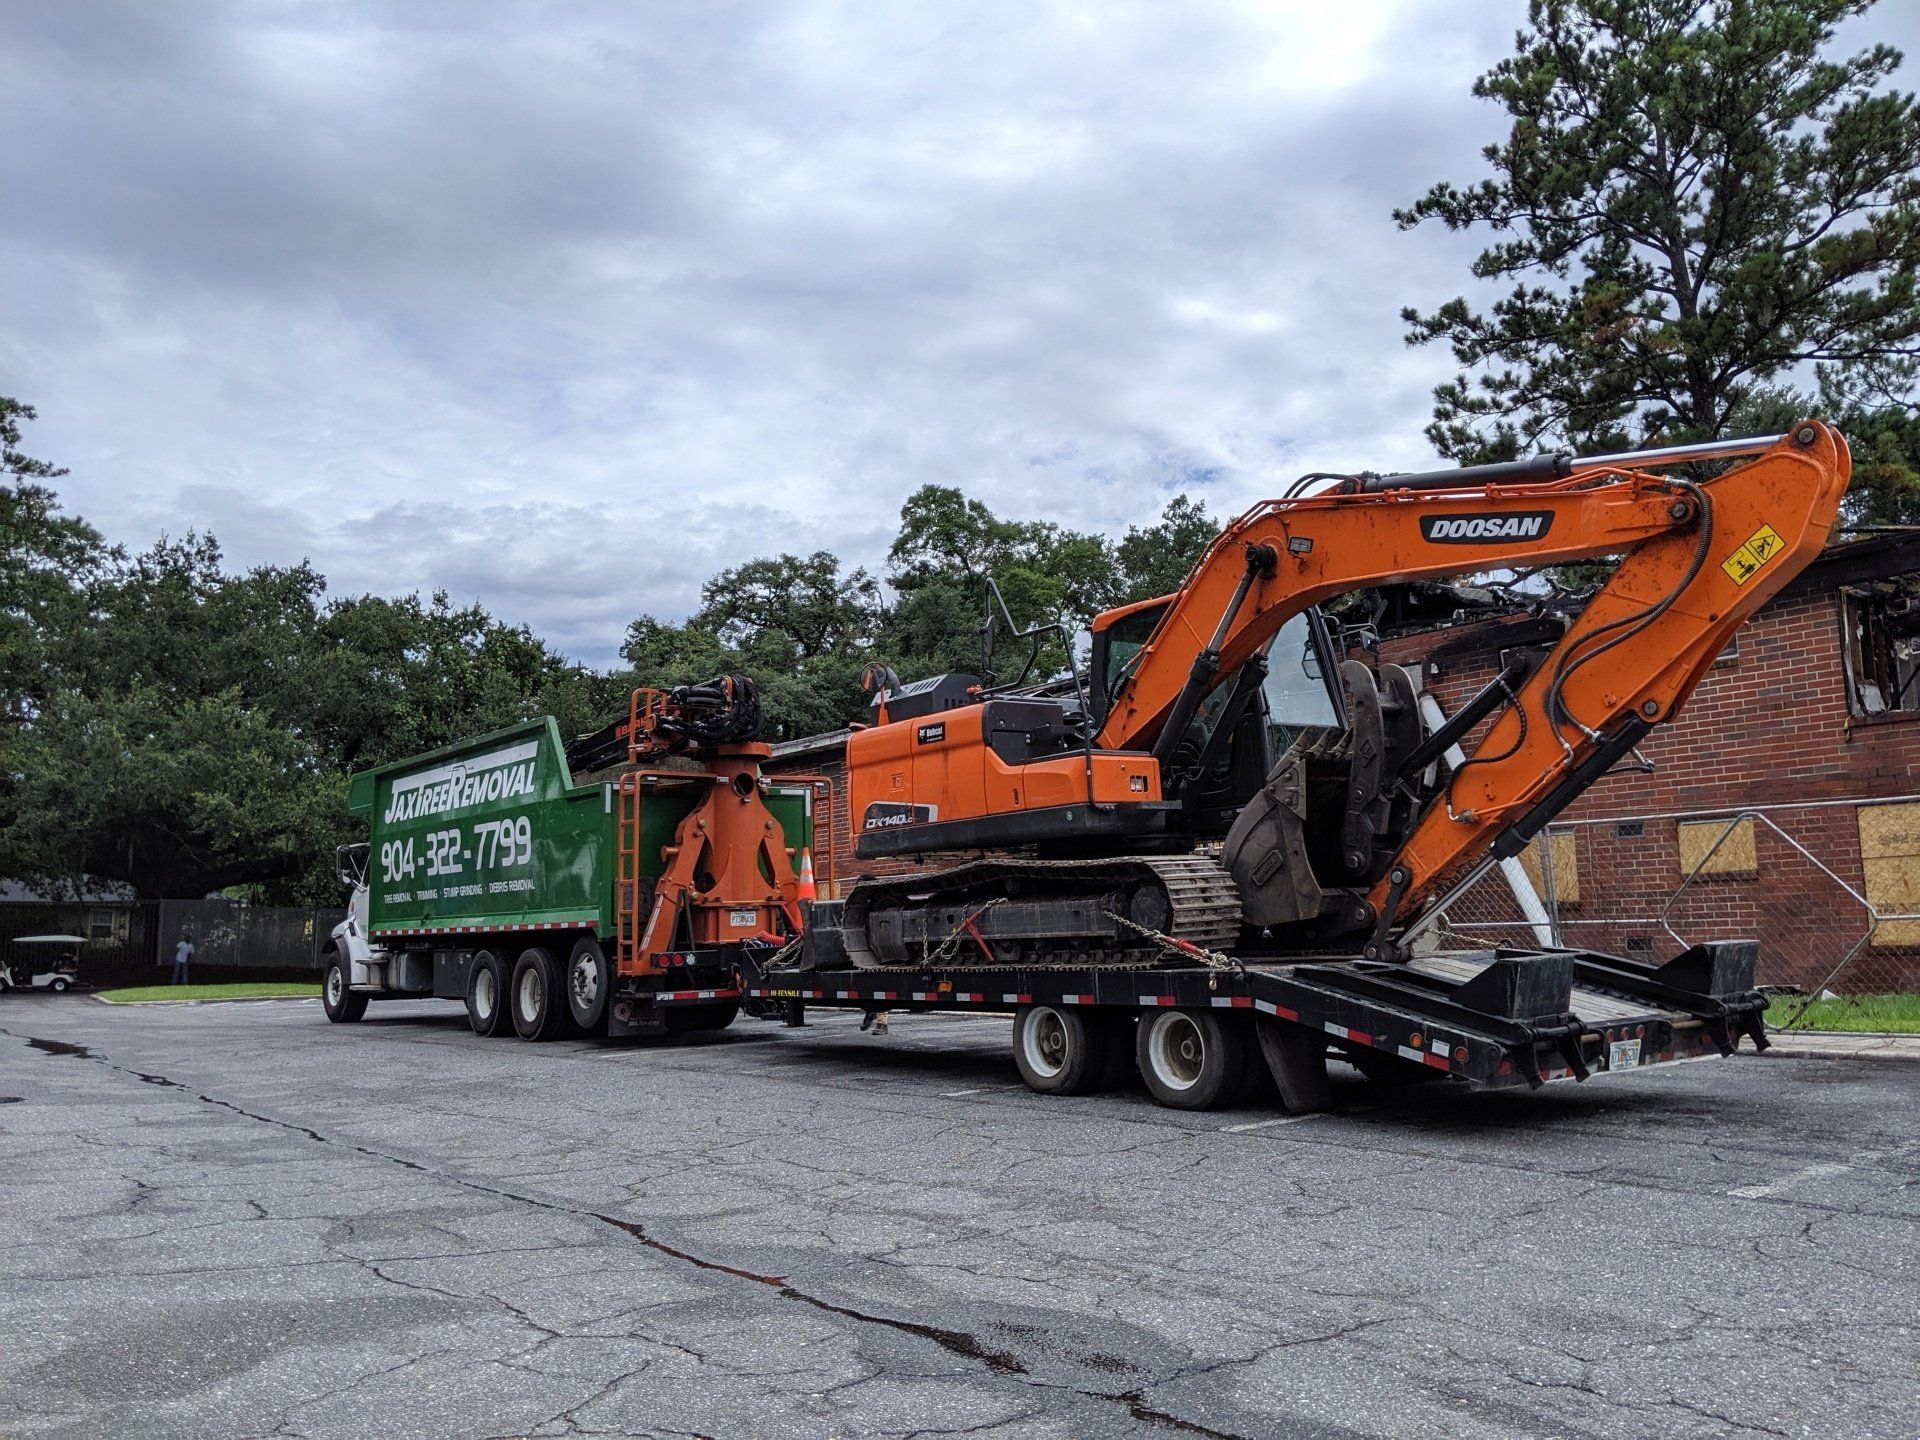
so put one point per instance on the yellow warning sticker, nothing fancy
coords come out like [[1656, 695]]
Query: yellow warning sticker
[[1744, 563]]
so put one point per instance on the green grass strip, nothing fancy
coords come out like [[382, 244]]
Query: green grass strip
[[1881, 1014], [240, 990]]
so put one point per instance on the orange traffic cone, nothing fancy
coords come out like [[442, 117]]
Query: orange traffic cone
[[807, 890]]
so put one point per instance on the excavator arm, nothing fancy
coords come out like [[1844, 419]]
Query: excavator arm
[[1698, 557]]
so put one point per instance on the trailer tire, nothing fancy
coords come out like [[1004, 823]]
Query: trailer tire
[[712, 1015], [1191, 1059], [587, 984], [1059, 1051], [342, 1005], [537, 997], [486, 996]]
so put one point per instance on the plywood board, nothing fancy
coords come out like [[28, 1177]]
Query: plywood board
[[1566, 867], [1735, 855]]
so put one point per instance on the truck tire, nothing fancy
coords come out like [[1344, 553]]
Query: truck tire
[[538, 997], [587, 984], [713, 1015], [1060, 1051], [343, 1006], [487, 996], [1192, 1059]]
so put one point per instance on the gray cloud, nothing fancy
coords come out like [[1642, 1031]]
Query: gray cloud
[[564, 308]]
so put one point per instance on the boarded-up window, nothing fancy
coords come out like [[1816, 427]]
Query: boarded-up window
[[1701, 840], [1566, 868], [1890, 854]]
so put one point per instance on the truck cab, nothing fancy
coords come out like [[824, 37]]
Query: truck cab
[[366, 965]]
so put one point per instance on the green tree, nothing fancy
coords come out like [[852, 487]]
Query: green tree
[[1694, 202], [1154, 559], [43, 555], [938, 567], [800, 626], [194, 727]]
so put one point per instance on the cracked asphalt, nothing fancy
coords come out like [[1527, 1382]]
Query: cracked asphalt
[[238, 1220]]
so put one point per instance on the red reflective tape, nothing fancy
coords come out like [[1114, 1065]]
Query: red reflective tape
[[1156, 1000], [1435, 1061]]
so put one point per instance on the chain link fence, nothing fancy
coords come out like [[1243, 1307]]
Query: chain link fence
[[1831, 890]]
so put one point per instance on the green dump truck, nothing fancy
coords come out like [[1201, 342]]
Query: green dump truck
[[553, 901]]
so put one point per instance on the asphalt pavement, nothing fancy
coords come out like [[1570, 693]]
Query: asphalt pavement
[[238, 1220]]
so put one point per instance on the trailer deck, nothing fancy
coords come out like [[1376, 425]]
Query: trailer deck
[[1487, 1019]]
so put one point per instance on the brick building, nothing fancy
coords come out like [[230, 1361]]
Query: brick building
[[1782, 803]]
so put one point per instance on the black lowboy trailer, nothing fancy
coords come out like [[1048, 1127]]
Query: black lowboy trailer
[[1212, 1034]]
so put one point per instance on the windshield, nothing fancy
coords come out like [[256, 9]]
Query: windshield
[[1125, 638], [1296, 690]]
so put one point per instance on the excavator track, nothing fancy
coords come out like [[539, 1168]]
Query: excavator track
[[1042, 911]]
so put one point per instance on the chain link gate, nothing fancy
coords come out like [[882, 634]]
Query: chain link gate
[[1831, 890]]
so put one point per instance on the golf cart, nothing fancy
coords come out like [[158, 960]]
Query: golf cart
[[52, 963]]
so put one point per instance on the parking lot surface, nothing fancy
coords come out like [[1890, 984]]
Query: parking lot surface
[[238, 1220]]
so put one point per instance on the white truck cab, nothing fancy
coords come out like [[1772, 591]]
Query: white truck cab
[[366, 964]]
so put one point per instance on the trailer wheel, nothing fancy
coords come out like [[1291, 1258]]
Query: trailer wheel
[[486, 996], [342, 1005], [587, 985], [1191, 1059], [1059, 1051]]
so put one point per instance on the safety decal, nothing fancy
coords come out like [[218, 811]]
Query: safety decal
[[1744, 563]]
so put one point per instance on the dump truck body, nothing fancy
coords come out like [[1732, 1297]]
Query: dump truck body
[[488, 862]]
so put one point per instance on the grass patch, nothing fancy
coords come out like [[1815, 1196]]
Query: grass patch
[[240, 990], [1882, 1014]]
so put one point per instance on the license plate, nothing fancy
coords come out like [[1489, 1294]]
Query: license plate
[[748, 917], [1623, 1055]]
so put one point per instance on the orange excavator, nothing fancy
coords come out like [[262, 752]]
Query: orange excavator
[[1226, 779]]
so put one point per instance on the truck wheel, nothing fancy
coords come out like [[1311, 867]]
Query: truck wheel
[[537, 997], [1059, 1051], [1191, 1059], [486, 996], [587, 986], [342, 1005], [714, 1015]]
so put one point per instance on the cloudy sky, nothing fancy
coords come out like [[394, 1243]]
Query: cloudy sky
[[565, 306]]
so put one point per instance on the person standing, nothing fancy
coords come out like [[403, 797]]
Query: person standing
[[182, 953]]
